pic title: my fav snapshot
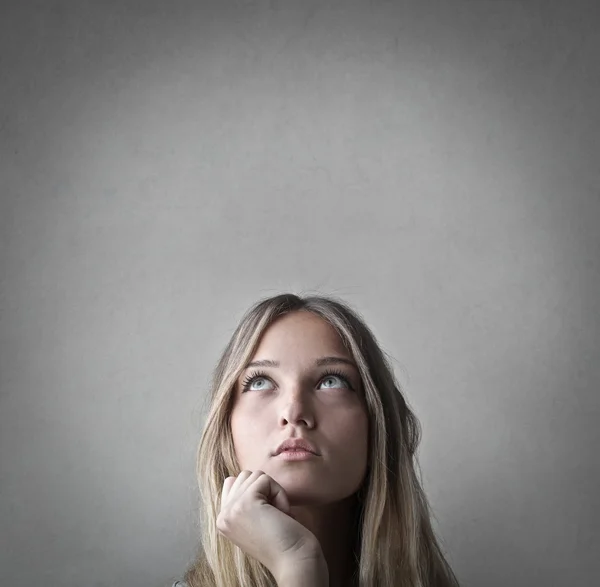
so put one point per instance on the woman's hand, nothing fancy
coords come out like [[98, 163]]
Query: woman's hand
[[255, 515]]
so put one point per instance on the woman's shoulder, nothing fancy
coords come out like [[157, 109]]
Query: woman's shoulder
[[179, 584]]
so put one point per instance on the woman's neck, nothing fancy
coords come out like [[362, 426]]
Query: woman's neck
[[336, 529]]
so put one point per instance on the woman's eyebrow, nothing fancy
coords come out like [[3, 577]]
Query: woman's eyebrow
[[319, 362]]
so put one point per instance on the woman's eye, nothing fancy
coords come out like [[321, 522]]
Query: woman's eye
[[330, 377], [255, 380]]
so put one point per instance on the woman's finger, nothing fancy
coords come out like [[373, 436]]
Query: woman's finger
[[247, 478], [227, 485], [240, 480], [274, 493]]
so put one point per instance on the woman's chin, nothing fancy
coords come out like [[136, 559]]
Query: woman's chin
[[307, 495], [303, 490]]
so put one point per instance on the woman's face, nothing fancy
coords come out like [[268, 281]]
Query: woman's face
[[298, 399]]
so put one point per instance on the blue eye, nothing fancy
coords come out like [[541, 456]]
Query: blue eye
[[262, 375], [329, 377], [251, 379]]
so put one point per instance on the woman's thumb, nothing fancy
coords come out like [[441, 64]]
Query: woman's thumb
[[280, 499]]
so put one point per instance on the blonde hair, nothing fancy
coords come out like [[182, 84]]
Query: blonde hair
[[395, 543]]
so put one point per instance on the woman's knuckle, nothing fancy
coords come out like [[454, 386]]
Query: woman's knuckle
[[223, 524]]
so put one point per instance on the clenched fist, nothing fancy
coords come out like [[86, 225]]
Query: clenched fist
[[255, 515]]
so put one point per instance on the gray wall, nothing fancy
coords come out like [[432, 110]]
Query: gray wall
[[165, 164]]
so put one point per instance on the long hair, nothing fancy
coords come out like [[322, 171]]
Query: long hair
[[395, 544]]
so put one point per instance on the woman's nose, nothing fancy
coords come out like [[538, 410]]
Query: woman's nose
[[296, 410]]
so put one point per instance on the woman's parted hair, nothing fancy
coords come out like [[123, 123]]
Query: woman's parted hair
[[396, 545]]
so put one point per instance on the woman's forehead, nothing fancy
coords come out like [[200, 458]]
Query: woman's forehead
[[301, 333]]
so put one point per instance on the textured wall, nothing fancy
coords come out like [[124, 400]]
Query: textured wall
[[165, 164]]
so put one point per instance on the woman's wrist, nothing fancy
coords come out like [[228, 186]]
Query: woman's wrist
[[309, 571], [305, 574]]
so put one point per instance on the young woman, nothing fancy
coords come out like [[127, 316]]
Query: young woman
[[307, 465]]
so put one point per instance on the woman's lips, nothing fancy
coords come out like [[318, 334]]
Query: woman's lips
[[295, 455], [296, 444]]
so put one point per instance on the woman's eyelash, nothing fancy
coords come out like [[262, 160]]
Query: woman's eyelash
[[258, 374]]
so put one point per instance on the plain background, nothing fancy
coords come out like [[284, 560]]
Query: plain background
[[166, 164]]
